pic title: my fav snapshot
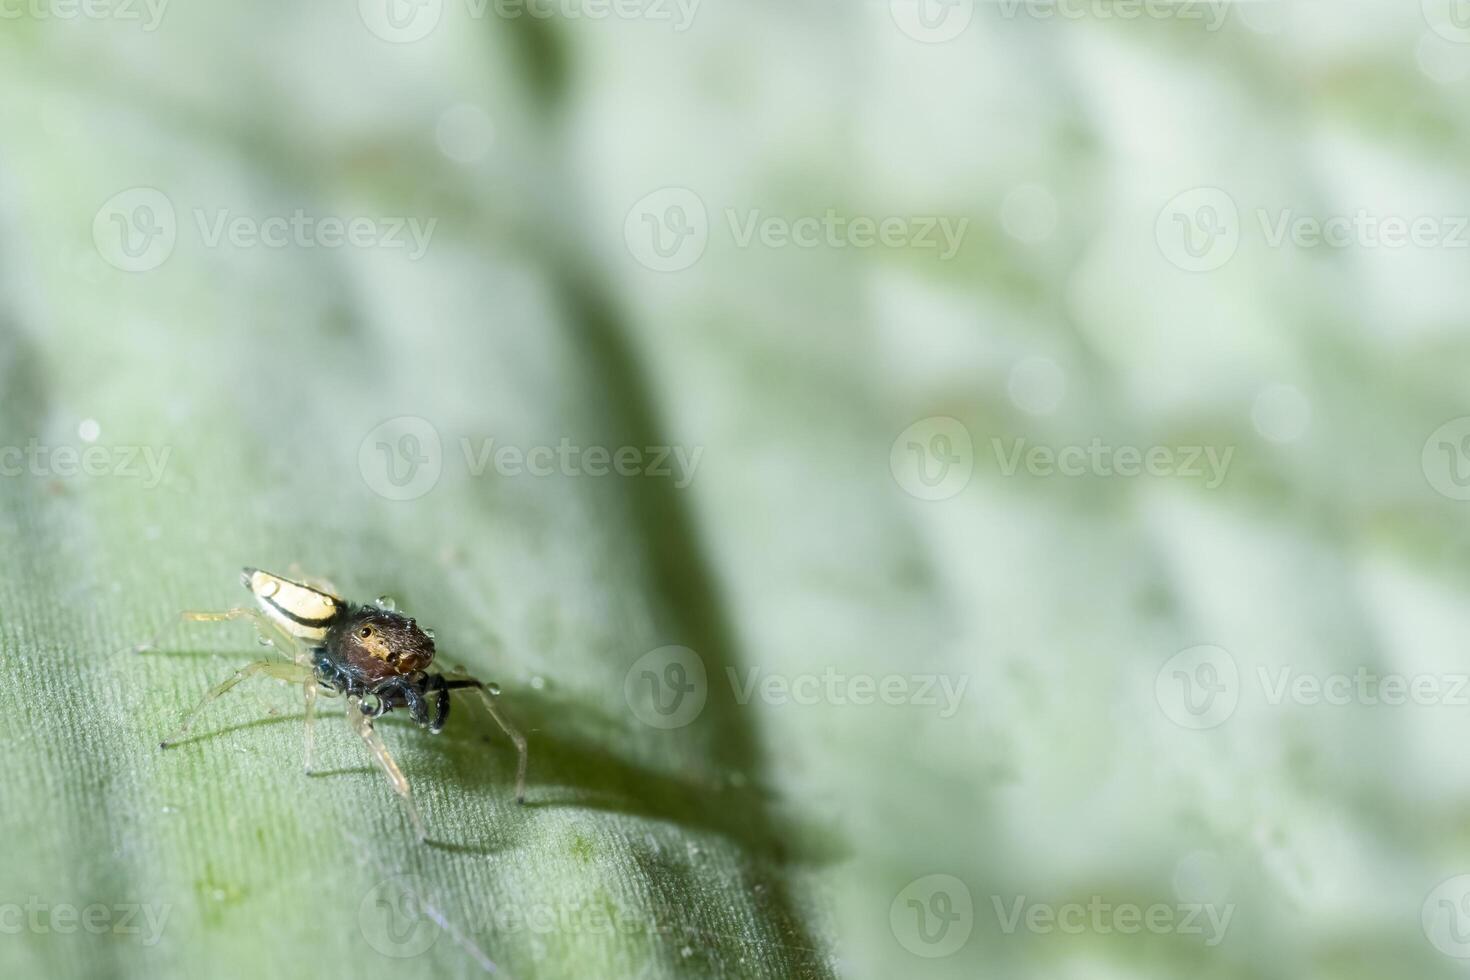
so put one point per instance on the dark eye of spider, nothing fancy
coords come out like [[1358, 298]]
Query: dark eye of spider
[[365, 631]]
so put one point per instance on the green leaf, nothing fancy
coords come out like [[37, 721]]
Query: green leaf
[[249, 380]]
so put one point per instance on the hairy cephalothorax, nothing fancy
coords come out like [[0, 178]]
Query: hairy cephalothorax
[[373, 655]]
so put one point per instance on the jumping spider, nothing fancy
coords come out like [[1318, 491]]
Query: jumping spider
[[375, 656]]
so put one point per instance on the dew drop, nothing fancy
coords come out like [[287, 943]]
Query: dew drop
[[269, 588], [538, 682], [493, 688], [385, 603], [263, 641], [686, 952], [429, 633]]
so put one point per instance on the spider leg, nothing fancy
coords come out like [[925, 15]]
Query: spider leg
[[264, 625], [362, 725], [436, 687], [311, 692], [320, 584], [412, 697], [286, 672], [465, 683]]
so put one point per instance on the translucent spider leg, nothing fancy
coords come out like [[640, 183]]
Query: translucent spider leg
[[194, 617], [311, 692], [264, 625], [460, 682], [271, 668], [362, 725], [269, 630], [295, 571]]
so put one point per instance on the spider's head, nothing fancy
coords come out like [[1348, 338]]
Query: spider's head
[[381, 643]]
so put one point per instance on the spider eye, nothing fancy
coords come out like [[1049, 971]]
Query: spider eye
[[365, 632]]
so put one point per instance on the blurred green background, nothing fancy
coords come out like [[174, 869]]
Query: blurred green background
[[1045, 444]]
